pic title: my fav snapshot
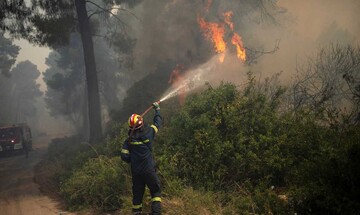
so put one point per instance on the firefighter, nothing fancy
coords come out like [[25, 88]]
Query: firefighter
[[137, 150]]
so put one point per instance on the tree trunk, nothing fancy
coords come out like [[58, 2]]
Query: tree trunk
[[91, 74]]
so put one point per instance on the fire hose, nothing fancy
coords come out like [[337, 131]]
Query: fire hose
[[147, 110]]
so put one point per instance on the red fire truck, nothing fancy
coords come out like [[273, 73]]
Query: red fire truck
[[15, 137]]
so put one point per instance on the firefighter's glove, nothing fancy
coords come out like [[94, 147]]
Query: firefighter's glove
[[156, 106]]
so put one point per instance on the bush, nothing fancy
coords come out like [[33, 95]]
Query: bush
[[258, 200], [222, 136], [100, 183], [328, 181], [285, 162]]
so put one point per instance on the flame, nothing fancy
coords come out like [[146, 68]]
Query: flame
[[176, 79], [215, 32], [236, 41]]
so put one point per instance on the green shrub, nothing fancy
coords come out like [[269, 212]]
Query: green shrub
[[222, 136], [100, 183], [187, 201], [258, 200], [328, 181], [285, 162]]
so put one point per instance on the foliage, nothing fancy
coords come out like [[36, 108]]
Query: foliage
[[287, 162], [19, 93], [68, 154], [86, 177], [328, 180], [191, 202], [65, 79], [8, 54], [244, 199], [13, 15], [221, 137], [227, 151], [258, 200], [72, 16], [100, 183], [230, 151]]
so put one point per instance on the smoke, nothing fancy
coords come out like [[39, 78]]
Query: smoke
[[169, 30], [167, 33], [305, 27]]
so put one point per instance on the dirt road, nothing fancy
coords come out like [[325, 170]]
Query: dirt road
[[19, 194]]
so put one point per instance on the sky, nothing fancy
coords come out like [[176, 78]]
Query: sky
[[37, 55]]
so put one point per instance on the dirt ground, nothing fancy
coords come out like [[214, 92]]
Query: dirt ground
[[19, 194]]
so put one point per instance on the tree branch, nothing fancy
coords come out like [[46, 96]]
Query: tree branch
[[109, 10], [265, 52], [255, 54], [126, 10], [94, 13]]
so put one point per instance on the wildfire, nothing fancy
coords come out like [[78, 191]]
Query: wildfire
[[236, 41], [215, 32], [176, 79]]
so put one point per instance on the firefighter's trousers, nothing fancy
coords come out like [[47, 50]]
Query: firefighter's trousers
[[151, 180]]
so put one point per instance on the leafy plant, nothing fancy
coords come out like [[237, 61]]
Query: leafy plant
[[222, 136], [100, 184]]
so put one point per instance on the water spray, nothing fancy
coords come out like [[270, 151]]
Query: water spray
[[192, 80], [184, 87]]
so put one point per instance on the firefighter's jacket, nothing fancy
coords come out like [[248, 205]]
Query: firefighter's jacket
[[138, 152]]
